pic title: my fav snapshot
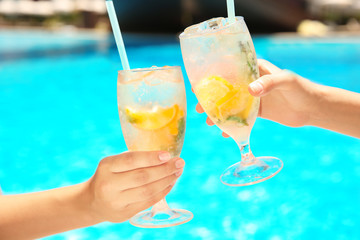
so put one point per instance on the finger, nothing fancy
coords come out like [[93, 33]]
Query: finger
[[265, 67], [134, 160], [267, 83], [199, 108], [148, 191], [209, 122], [225, 135], [134, 208], [143, 176]]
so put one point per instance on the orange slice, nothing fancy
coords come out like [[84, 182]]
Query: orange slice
[[156, 118]]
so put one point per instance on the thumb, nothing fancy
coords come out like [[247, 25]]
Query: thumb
[[266, 67], [267, 83]]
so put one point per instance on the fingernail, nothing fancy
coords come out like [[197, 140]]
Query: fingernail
[[164, 156], [256, 87], [178, 173], [180, 163]]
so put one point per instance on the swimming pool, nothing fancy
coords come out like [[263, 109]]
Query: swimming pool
[[59, 118]]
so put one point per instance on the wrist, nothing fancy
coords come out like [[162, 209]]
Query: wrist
[[83, 204], [319, 94]]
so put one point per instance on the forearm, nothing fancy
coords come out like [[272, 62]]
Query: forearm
[[337, 110], [34, 215]]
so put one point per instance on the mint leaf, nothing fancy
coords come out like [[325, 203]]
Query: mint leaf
[[131, 119], [181, 129], [238, 120], [250, 58]]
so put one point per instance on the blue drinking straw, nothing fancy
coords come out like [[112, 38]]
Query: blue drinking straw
[[117, 34], [231, 10]]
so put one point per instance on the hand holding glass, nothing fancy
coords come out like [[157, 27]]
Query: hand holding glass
[[152, 109], [220, 61]]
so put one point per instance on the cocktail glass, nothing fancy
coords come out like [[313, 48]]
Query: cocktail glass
[[220, 62], [152, 109]]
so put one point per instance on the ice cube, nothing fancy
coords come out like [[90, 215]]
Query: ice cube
[[208, 26]]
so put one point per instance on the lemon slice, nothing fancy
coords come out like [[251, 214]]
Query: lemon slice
[[245, 113], [237, 101], [221, 99], [174, 124], [210, 90], [154, 119]]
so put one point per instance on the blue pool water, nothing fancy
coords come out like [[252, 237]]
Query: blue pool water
[[59, 118]]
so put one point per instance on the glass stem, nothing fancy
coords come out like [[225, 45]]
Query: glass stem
[[247, 158], [160, 207]]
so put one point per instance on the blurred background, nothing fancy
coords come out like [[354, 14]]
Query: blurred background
[[262, 16], [59, 117]]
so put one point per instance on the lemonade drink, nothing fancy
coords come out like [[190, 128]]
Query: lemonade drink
[[156, 128], [220, 61], [152, 109]]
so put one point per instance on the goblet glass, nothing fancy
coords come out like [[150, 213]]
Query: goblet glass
[[220, 62], [152, 109]]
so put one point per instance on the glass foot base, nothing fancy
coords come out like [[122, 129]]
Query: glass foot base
[[259, 170], [169, 218]]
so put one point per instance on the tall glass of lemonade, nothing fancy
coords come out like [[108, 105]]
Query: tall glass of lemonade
[[152, 109], [220, 62]]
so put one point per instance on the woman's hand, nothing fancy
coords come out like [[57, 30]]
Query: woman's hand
[[126, 184], [286, 98], [295, 101], [122, 186]]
